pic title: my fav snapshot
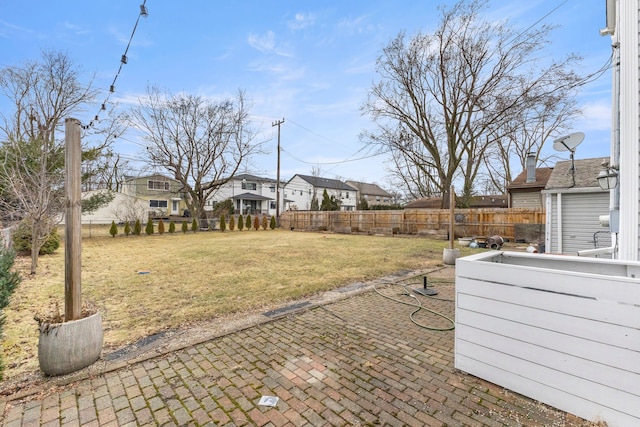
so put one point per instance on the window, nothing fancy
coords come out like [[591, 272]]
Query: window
[[301, 192], [249, 185], [157, 185], [309, 191], [346, 195], [158, 203], [273, 189], [272, 204]]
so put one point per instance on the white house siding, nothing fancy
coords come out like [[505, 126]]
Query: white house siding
[[627, 34], [121, 203], [300, 192], [573, 220]]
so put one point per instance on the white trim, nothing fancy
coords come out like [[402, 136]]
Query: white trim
[[629, 137], [559, 219]]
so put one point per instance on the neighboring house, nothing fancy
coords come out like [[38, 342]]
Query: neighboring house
[[476, 202], [526, 190], [372, 193], [301, 188], [164, 195], [574, 204], [250, 195], [122, 208]]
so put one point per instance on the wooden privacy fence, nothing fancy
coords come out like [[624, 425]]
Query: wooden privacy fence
[[513, 223]]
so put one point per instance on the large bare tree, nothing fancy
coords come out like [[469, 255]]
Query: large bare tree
[[201, 143], [442, 98], [42, 94]]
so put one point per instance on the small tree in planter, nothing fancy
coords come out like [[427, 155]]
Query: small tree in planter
[[256, 223], [160, 227], [248, 222], [223, 223], [232, 223], [272, 223], [149, 228], [185, 226], [240, 222], [137, 228], [194, 225], [127, 228], [172, 227], [114, 229]]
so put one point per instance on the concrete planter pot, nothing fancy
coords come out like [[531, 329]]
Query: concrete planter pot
[[70, 346], [449, 256]]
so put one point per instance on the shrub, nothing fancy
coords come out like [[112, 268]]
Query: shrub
[[160, 227], [9, 280], [272, 223], [265, 222], [232, 223], [185, 226], [256, 223], [194, 225], [22, 240], [172, 227], [223, 223], [149, 228], [137, 228], [127, 228], [240, 222], [114, 229], [247, 223]]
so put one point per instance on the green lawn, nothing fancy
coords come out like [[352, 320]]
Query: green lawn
[[146, 284]]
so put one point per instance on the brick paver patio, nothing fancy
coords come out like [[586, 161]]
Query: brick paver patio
[[359, 360]]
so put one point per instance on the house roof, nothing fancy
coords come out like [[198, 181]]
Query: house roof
[[250, 177], [541, 179], [369, 189], [319, 182], [584, 175], [250, 196], [487, 201]]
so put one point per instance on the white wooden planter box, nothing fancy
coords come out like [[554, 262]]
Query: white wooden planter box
[[563, 330]]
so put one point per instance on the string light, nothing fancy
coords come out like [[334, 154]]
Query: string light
[[123, 60]]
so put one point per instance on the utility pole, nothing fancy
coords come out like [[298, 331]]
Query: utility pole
[[73, 226], [278, 123]]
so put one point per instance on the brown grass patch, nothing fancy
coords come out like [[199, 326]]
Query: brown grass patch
[[195, 277]]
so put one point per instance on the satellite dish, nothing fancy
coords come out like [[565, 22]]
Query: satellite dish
[[568, 142]]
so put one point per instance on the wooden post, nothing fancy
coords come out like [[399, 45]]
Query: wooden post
[[452, 206], [73, 227]]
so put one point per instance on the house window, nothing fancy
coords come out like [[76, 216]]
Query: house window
[[158, 203], [273, 189], [378, 199], [301, 192], [157, 185], [309, 191], [249, 185], [346, 195], [272, 204]]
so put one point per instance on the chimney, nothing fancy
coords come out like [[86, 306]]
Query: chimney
[[531, 168]]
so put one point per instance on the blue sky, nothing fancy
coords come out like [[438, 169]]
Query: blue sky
[[309, 62]]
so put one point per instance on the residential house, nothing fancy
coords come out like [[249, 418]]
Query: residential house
[[122, 208], [163, 195], [476, 202], [575, 204], [301, 189], [372, 193], [526, 190], [250, 195]]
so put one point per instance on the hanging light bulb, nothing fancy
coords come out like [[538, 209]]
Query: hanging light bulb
[[143, 11]]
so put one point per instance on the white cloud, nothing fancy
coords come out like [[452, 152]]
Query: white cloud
[[265, 43], [301, 21]]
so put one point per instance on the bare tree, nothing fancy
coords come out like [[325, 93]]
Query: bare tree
[[201, 143], [43, 93], [443, 97]]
